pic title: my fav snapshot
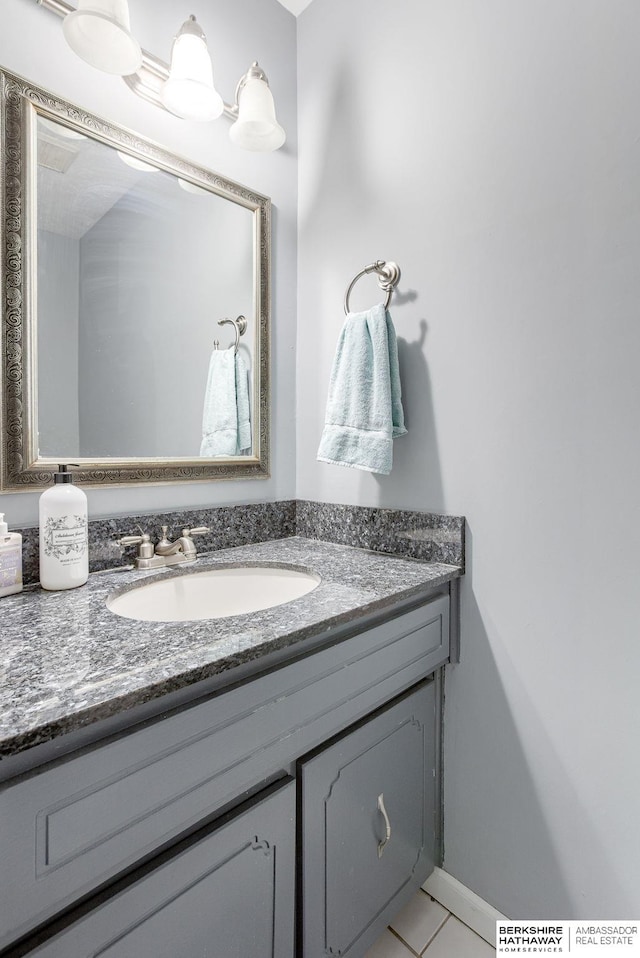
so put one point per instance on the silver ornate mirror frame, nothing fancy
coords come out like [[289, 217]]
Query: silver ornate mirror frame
[[20, 467]]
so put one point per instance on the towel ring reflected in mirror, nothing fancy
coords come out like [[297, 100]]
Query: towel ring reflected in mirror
[[388, 279], [240, 326]]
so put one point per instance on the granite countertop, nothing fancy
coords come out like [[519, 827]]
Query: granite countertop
[[66, 661]]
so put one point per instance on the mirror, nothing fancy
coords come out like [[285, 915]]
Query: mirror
[[121, 261]]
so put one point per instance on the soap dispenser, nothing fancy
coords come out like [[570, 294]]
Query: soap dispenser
[[64, 538], [10, 559]]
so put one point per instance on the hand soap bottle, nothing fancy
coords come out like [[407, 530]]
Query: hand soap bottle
[[64, 538], [10, 559]]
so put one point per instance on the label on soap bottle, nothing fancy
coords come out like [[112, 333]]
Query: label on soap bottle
[[10, 565], [65, 538]]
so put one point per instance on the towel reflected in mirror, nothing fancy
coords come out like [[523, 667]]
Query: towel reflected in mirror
[[226, 417]]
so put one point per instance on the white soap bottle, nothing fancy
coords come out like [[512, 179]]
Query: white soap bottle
[[10, 559], [64, 537]]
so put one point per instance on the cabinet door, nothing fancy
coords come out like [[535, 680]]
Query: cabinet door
[[368, 826], [228, 895]]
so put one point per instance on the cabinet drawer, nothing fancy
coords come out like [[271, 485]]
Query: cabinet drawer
[[228, 895], [368, 823], [81, 821]]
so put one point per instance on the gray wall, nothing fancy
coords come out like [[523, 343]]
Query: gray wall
[[32, 45], [157, 273], [58, 269], [492, 150]]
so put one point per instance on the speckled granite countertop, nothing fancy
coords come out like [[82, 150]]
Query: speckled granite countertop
[[66, 661]]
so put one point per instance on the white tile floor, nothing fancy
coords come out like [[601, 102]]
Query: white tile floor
[[424, 927]]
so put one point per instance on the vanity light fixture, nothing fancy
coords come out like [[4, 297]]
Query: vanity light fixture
[[98, 31], [189, 92], [256, 127]]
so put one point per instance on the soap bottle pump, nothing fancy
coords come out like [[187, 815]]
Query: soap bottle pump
[[64, 537], [10, 559]]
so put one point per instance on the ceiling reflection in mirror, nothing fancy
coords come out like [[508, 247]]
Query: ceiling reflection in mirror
[[134, 257]]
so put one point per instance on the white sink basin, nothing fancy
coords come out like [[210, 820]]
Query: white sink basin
[[213, 594]]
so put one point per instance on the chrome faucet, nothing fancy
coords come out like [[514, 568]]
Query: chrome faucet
[[184, 548], [165, 552]]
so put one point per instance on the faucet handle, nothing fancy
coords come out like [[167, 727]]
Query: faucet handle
[[164, 540], [198, 531], [129, 540], [143, 541]]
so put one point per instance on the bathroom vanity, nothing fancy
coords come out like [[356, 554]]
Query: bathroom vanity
[[260, 786]]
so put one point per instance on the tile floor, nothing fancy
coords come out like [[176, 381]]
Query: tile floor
[[424, 927]]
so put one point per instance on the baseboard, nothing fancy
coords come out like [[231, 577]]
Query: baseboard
[[464, 904]]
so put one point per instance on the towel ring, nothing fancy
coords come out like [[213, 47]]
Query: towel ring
[[388, 278], [240, 327]]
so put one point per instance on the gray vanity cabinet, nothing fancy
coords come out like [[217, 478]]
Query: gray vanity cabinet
[[368, 826], [229, 894], [127, 848]]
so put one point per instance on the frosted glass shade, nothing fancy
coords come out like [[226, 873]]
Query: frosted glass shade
[[192, 187], [98, 31], [135, 163], [256, 127], [59, 129], [189, 92]]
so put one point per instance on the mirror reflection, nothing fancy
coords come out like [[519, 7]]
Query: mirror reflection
[[136, 266], [121, 259]]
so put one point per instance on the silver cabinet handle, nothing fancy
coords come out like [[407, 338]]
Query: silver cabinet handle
[[383, 844]]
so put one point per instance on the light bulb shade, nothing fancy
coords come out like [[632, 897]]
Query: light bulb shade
[[98, 31], [189, 92], [137, 164], [256, 127], [59, 129], [192, 187]]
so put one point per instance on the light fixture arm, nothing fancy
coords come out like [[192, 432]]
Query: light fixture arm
[[150, 78], [61, 7]]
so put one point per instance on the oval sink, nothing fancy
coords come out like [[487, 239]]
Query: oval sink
[[213, 594]]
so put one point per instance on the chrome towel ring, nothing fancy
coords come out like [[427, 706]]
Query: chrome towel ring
[[240, 327], [388, 278]]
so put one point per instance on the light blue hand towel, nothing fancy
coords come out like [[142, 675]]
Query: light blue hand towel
[[243, 406], [364, 408], [226, 422]]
